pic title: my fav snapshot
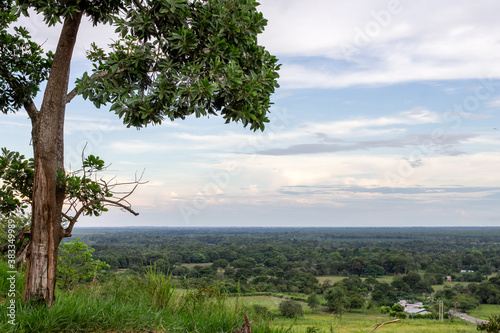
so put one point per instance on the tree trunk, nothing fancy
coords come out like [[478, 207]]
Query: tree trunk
[[48, 194]]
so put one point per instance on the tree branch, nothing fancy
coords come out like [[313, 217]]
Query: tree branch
[[87, 200], [32, 110], [72, 221], [141, 7], [119, 204], [379, 325], [96, 76]]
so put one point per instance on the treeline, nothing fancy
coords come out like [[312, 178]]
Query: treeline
[[319, 251]]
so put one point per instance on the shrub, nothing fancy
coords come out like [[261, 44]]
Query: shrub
[[385, 309], [492, 326], [262, 311], [397, 308], [401, 315], [313, 301], [290, 309], [76, 264]]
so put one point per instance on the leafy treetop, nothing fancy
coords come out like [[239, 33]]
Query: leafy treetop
[[174, 58]]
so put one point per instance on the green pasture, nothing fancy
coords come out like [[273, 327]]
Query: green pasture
[[438, 287], [485, 310], [336, 278], [360, 322], [357, 322]]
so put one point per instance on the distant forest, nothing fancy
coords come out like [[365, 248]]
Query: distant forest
[[321, 251]]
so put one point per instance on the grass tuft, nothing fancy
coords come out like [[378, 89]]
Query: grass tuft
[[160, 287]]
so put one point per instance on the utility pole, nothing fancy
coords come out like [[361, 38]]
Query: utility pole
[[441, 310]]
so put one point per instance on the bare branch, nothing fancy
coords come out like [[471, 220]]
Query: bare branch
[[379, 325], [66, 216], [72, 221], [119, 204], [86, 201]]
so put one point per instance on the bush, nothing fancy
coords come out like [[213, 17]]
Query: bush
[[397, 308], [401, 315], [262, 311], [76, 264], [313, 301], [290, 309], [385, 309], [493, 326]]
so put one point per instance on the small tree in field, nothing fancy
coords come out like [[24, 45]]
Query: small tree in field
[[337, 300], [313, 301], [290, 308], [173, 59], [76, 263]]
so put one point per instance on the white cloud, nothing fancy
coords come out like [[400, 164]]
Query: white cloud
[[362, 126], [494, 103], [72, 127], [380, 42], [390, 71], [411, 44], [13, 123], [138, 146], [102, 35]]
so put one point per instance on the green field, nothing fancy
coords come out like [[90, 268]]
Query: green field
[[336, 278], [454, 283], [353, 322], [438, 287], [485, 310], [388, 279], [361, 322], [332, 278]]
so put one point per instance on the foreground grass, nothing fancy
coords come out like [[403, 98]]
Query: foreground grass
[[151, 304], [132, 304]]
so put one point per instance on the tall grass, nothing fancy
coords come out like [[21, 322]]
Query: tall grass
[[5, 282], [84, 310], [160, 287], [131, 304]]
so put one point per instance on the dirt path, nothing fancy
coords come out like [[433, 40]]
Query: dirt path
[[465, 316]]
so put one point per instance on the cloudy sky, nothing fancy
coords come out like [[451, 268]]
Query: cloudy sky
[[388, 114]]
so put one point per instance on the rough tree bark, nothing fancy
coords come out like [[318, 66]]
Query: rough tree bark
[[48, 194]]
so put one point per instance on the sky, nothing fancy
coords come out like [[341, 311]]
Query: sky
[[387, 115]]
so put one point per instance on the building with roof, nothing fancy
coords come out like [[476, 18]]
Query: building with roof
[[413, 308]]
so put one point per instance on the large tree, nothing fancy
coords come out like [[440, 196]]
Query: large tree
[[173, 58]]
